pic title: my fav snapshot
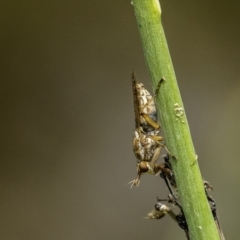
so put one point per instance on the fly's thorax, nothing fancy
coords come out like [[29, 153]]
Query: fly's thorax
[[156, 138], [144, 146]]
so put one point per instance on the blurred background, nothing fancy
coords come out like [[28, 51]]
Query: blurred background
[[67, 116]]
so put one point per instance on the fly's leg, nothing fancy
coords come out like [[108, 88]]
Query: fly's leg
[[158, 86], [135, 182], [168, 177], [170, 154], [157, 140], [155, 155], [150, 121], [142, 167]]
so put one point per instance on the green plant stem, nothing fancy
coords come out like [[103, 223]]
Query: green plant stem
[[174, 122]]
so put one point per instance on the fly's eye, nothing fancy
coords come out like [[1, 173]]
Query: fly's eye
[[143, 167]]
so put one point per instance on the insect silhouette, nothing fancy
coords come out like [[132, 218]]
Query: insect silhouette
[[213, 208], [161, 210]]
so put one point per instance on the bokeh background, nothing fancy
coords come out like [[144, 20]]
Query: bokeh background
[[67, 116]]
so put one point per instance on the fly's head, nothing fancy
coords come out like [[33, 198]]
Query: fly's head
[[142, 167]]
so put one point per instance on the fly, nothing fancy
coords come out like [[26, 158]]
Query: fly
[[147, 140]]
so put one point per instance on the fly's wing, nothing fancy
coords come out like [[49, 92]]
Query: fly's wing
[[154, 214], [135, 100]]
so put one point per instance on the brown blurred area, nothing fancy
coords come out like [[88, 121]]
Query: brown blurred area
[[67, 116]]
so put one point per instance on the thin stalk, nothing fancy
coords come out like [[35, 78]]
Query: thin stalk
[[174, 122]]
